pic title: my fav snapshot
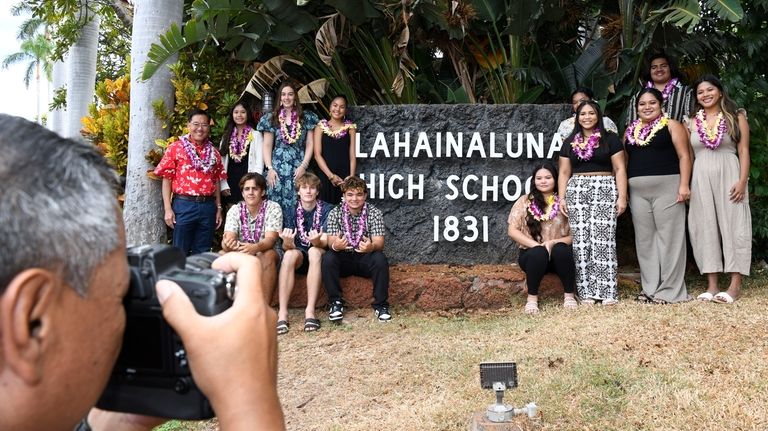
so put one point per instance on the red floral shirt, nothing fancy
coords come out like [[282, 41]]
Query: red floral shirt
[[185, 180]]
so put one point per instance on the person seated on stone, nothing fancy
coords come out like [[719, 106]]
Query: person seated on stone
[[61, 300], [304, 244], [356, 243], [252, 227], [544, 237], [579, 95]]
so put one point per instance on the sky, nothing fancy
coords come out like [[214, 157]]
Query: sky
[[15, 98]]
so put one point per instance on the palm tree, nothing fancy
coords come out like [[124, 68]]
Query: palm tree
[[81, 70], [36, 51], [143, 205]]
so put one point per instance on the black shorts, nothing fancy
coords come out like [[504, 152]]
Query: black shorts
[[304, 267]]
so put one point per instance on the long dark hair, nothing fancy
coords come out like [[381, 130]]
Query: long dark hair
[[727, 105], [577, 129], [229, 128], [534, 226], [279, 104], [674, 71]]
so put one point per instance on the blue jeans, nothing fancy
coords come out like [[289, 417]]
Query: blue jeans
[[195, 223]]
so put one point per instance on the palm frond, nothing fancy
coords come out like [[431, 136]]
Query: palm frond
[[327, 37], [268, 73], [313, 91]]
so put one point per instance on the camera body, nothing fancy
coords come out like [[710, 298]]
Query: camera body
[[152, 375]]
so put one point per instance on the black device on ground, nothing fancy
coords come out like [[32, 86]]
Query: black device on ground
[[152, 375]]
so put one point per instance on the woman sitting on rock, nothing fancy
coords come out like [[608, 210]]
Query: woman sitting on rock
[[544, 237]]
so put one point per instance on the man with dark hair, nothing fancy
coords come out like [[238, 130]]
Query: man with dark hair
[[253, 226], [356, 243], [191, 169], [660, 71], [63, 275]]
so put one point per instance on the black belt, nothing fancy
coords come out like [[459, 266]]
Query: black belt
[[195, 198]]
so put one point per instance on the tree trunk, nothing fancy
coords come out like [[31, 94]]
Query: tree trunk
[[59, 80], [143, 210], [81, 75]]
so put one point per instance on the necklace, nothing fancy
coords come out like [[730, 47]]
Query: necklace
[[585, 150], [304, 236], [710, 138], [238, 143], [668, 87], [325, 126], [202, 164], [353, 239], [642, 136], [252, 236], [553, 203], [290, 136]]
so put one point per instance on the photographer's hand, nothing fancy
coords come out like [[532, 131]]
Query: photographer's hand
[[239, 375]]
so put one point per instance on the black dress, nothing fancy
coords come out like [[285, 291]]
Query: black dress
[[336, 155]]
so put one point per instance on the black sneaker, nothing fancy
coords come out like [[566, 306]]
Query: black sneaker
[[336, 311], [382, 313]]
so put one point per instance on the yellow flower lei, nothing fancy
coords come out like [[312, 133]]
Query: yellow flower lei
[[325, 126], [645, 140], [711, 133]]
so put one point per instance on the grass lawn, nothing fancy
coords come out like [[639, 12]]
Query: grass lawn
[[690, 366]]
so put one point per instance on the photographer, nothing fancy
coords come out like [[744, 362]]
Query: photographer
[[63, 275]]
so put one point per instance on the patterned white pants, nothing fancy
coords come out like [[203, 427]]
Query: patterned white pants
[[591, 203]]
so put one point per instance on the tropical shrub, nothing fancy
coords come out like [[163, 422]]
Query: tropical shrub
[[107, 124]]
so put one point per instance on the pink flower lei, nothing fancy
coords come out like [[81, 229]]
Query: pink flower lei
[[353, 239], [292, 136], [708, 137], [325, 126], [553, 203], [668, 88], [252, 236], [202, 164], [303, 236], [585, 151], [238, 143]]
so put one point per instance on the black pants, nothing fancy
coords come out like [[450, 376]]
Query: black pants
[[369, 265], [536, 262]]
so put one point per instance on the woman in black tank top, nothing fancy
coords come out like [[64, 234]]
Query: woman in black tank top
[[659, 173]]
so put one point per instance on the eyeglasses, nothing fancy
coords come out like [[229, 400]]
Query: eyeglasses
[[199, 125]]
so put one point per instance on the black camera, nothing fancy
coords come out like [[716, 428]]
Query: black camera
[[152, 376]]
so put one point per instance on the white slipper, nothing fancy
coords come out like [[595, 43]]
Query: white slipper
[[723, 298], [705, 297]]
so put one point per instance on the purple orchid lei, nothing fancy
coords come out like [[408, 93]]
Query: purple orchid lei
[[325, 126], [293, 135], [585, 151], [238, 143], [353, 239], [553, 203], [303, 236], [252, 236], [668, 87], [708, 137], [208, 160]]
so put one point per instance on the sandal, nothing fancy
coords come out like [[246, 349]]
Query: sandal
[[705, 297], [661, 302], [723, 298], [588, 301], [311, 324], [569, 303], [609, 302], [282, 327], [532, 307], [643, 298]]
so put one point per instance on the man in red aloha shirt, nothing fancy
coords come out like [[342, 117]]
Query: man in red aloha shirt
[[191, 169]]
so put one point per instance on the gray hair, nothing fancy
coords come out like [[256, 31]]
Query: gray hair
[[57, 204]]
